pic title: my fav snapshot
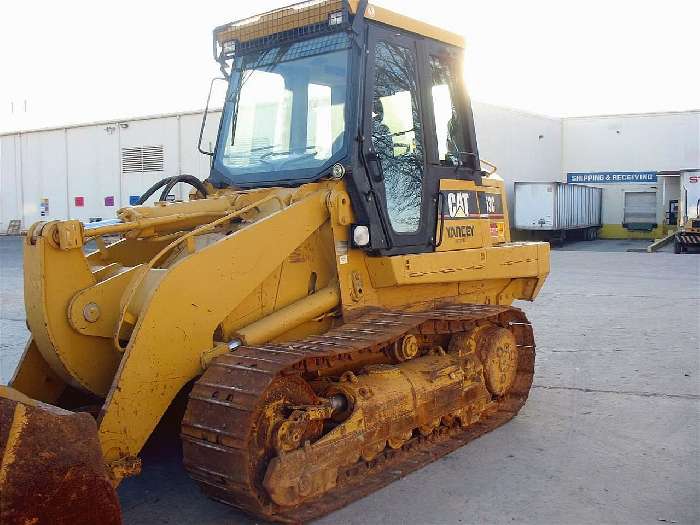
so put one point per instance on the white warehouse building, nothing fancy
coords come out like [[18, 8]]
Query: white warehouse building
[[88, 171]]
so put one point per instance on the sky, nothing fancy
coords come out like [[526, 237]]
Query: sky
[[79, 61]]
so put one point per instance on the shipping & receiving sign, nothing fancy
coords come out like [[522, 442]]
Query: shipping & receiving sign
[[612, 177]]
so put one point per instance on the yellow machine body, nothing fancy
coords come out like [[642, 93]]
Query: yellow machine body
[[194, 289]]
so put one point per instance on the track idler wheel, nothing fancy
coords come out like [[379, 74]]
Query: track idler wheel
[[498, 351], [52, 469]]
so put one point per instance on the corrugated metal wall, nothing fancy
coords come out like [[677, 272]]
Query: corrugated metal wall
[[88, 172], [46, 171], [84, 162]]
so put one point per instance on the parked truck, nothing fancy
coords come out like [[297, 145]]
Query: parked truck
[[560, 210], [688, 233]]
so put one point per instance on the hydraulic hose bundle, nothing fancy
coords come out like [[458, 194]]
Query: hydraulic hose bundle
[[169, 183]]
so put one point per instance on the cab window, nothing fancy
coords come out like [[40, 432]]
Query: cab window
[[448, 126], [397, 134]]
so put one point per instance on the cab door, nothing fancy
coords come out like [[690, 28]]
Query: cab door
[[417, 130], [394, 145]]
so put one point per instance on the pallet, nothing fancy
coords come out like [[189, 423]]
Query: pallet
[[14, 227]]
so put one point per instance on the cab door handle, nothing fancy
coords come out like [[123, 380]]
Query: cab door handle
[[376, 159], [439, 203]]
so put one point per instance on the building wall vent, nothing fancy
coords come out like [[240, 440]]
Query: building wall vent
[[139, 159]]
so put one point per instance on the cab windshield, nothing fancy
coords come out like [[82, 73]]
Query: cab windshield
[[284, 118]]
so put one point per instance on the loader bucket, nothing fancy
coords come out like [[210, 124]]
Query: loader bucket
[[52, 471]]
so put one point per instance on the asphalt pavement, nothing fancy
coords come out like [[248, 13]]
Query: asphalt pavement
[[610, 433]]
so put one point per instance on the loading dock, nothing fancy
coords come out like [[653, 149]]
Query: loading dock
[[639, 211]]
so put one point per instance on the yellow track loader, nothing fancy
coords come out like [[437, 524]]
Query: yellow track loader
[[334, 299]]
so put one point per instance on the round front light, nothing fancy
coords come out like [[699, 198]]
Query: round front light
[[360, 235]]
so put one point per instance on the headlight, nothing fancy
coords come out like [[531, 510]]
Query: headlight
[[335, 19], [229, 47], [360, 235]]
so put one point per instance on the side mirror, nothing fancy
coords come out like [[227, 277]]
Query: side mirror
[[204, 118]]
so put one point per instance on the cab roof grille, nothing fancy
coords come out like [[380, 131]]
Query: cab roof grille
[[280, 26]]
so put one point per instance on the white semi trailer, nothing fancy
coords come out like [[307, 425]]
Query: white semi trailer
[[559, 209]]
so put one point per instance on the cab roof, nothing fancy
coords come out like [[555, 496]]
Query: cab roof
[[391, 18], [296, 19]]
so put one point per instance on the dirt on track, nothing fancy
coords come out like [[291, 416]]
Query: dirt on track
[[219, 428]]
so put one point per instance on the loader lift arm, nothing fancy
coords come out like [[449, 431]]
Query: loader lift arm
[[178, 320]]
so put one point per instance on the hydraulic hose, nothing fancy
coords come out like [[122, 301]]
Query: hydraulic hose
[[169, 183], [188, 179]]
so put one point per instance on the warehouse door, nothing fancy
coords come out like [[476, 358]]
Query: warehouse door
[[640, 210]]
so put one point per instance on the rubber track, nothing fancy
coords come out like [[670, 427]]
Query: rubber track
[[225, 402]]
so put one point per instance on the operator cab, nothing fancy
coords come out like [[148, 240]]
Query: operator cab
[[284, 117], [330, 89]]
